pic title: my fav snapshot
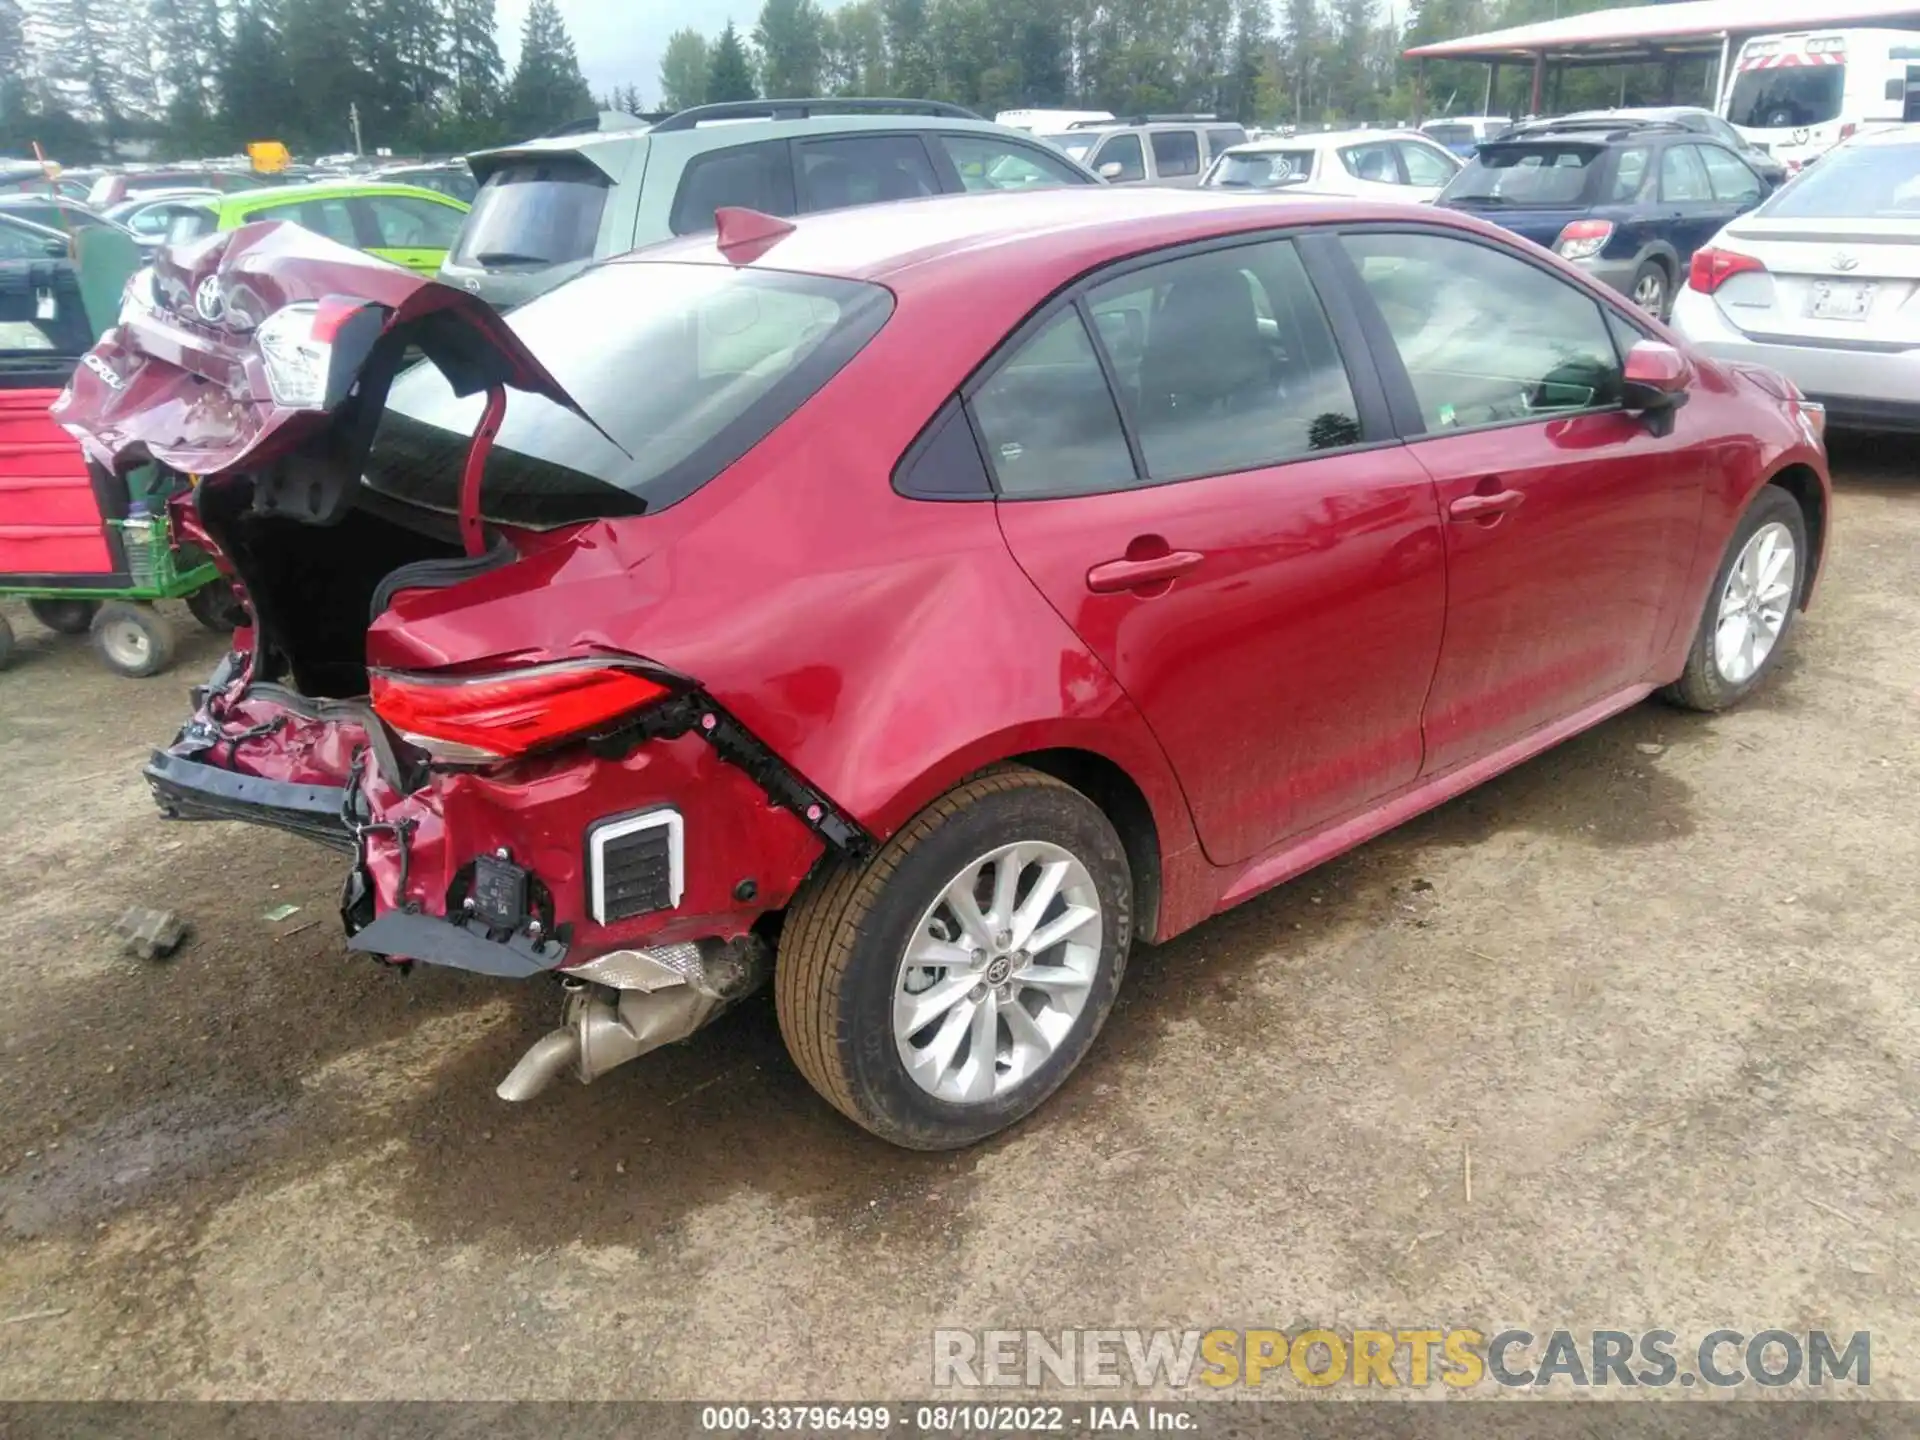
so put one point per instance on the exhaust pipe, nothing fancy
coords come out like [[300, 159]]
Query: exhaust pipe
[[662, 996]]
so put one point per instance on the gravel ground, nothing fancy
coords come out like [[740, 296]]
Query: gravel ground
[[1664, 998]]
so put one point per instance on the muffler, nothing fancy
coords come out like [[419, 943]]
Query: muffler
[[621, 1005]]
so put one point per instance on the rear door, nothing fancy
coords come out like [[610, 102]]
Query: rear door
[[1237, 537], [1176, 156], [1568, 524], [1693, 215], [408, 230]]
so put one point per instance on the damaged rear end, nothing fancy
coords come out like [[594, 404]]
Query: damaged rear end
[[448, 565]]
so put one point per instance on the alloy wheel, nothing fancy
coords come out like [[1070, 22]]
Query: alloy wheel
[[997, 972], [1754, 605], [1650, 293]]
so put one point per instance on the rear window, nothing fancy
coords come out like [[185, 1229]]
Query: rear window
[[759, 177], [1451, 135], [1262, 169], [191, 224], [703, 362], [1538, 174], [1792, 97], [1079, 145], [535, 212], [1867, 182]]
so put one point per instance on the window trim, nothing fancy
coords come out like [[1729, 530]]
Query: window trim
[[1409, 421], [1040, 156], [1378, 430], [837, 137]]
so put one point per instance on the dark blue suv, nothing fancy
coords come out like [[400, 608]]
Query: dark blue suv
[[1629, 201]]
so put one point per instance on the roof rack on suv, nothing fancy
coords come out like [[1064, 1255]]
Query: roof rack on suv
[[1141, 120], [1592, 125], [804, 109]]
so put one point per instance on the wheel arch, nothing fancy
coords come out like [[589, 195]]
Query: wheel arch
[[1803, 484], [1125, 805]]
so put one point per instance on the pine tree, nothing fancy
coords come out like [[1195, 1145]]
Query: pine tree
[[473, 65], [548, 89], [85, 45], [188, 47], [254, 82], [16, 71], [909, 52], [683, 71], [791, 37], [730, 73]]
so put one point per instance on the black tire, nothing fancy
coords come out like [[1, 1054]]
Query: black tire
[[217, 608], [6, 642], [1701, 685], [1652, 289], [64, 617], [845, 940], [133, 640]]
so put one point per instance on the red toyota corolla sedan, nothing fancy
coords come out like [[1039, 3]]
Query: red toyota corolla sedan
[[913, 606]]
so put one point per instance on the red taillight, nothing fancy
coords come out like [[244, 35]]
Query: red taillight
[[1583, 239], [506, 715], [1848, 131], [1713, 268]]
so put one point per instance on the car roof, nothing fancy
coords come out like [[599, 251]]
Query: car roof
[[1896, 135], [1054, 233], [326, 190], [1331, 138]]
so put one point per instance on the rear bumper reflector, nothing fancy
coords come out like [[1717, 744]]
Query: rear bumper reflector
[[190, 790]]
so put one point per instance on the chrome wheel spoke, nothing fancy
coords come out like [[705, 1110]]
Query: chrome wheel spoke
[[1031, 1045], [966, 909], [1061, 927], [936, 1059], [983, 1052], [913, 1013], [1006, 884], [1053, 979], [1027, 919]]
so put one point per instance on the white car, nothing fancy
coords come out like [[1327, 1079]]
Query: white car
[[1816, 283], [1366, 164]]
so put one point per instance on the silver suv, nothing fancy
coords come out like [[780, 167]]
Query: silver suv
[[550, 207], [1149, 149]]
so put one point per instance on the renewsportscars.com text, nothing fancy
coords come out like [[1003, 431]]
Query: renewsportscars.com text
[[1457, 1357]]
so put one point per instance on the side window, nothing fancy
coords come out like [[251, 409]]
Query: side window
[[1371, 162], [1124, 151], [1733, 183], [1227, 360], [1176, 152], [1423, 165], [153, 220], [1485, 337], [760, 177], [1048, 419], [1626, 334], [191, 223], [1629, 175], [986, 162], [330, 218], [1225, 138], [21, 245], [863, 170], [405, 222], [1683, 179]]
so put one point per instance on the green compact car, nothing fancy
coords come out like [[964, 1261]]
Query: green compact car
[[407, 224]]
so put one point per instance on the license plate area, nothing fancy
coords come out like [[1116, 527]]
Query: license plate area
[[1840, 300]]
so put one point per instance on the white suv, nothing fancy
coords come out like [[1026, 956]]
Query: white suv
[[1149, 149]]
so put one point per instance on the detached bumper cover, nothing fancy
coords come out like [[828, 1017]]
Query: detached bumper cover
[[191, 790], [432, 940]]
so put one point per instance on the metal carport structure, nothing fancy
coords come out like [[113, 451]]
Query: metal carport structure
[[1652, 34]]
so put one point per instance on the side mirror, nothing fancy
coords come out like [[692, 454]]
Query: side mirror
[[1112, 170], [1655, 383]]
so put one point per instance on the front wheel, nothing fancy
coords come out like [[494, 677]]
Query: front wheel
[[1650, 289], [1755, 595], [133, 640], [943, 989]]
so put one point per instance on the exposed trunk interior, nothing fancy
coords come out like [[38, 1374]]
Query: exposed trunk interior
[[313, 580]]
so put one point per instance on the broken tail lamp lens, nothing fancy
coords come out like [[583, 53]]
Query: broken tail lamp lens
[[296, 344], [480, 719]]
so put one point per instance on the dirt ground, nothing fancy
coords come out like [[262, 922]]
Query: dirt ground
[[1667, 1001]]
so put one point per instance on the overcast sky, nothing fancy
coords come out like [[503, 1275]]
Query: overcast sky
[[620, 40]]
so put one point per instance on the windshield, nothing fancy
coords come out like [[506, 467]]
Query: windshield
[[534, 212], [686, 366], [1540, 175], [1261, 169], [1868, 182], [1788, 98], [1079, 144]]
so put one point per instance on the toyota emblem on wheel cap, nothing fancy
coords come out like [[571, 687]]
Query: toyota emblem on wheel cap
[[1842, 260]]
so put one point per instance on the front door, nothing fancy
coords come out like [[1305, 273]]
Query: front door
[[1264, 583], [1693, 215], [1568, 523], [409, 230]]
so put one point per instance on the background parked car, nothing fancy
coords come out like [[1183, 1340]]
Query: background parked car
[[1367, 164], [451, 177], [55, 213], [150, 217], [24, 240], [1817, 283], [549, 207], [402, 223], [1462, 133], [1627, 201], [1149, 149], [110, 190], [1769, 167]]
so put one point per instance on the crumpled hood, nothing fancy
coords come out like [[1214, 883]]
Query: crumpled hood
[[181, 378]]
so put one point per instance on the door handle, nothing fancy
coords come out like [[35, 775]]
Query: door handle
[[1485, 506], [1113, 575]]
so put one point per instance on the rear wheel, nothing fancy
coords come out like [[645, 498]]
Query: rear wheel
[[64, 617], [132, 639], [1650, 288], [942, 990], [217, 607], [1750, 609]]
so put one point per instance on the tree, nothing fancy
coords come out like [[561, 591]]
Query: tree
[[189, 46], [473, 64], [792, 40], [729, 73], [683, 71], [910, 58], [253, 81], [856, 50], [1252, 42], [85, 45], [16, 71], [548, 89]]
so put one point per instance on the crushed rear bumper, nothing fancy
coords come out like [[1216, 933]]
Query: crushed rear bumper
[[192, 790]]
